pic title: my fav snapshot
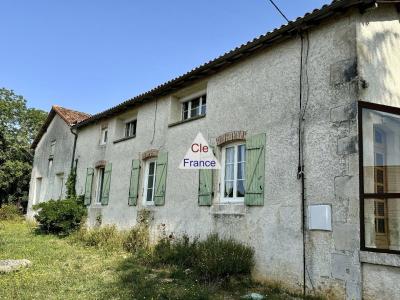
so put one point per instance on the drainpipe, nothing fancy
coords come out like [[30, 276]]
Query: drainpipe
[[300, 169], [74, 148]]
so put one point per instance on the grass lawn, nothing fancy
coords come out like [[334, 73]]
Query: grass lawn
[[64, 270]]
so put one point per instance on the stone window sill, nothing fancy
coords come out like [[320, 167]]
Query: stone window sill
[[234, 209], [187, 120], [377, 258], [124, 139]]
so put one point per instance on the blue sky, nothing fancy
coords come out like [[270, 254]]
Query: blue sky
[[90, 55]]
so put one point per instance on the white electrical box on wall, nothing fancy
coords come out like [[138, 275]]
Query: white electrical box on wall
[[320, 217]]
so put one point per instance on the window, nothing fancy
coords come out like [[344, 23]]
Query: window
[[233, 173], [59, 186], [50, 166], [52, 148], [100, 182], [150, 182], [380, 177], [104, 136], [194, 107], [130, 128]]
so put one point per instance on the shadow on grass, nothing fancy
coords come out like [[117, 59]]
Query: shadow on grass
[[139, 281]]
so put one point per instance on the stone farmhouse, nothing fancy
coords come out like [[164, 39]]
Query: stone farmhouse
[[305, 121]]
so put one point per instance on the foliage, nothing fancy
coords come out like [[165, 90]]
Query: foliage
[[64, 270], [180, 252], [106, 237], [137, 239], [10, 212], [71, 183], [145, 283], [18, 127], [211, 259], [59, 217], [218, 258]]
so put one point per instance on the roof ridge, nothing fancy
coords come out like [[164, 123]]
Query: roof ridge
[[286, 31]]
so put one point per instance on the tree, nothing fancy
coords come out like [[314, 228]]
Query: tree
[[18, 127]]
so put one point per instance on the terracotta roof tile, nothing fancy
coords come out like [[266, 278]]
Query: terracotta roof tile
[[71, 117]]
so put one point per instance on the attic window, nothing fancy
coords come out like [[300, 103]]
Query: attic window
[[130, 128], [104, 136], [194, 107]]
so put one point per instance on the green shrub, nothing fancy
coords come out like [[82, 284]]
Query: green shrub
[[218, 258], [10, 212], [137, 239], [59, 217], [106, 237], [179, 252], [210, 259]]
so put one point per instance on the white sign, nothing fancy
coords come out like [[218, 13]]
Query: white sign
[[199, 156]]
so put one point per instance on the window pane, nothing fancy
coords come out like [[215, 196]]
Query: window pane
[[151, 168], [229, 155], [105, 133], [203, 109], [241, 153], [100, 184], [240, 188], [382, 223], [133, 129], [185, 110], [127, 129], [204, 105], [381, 152], [150, 181], [149, 196], [130, 129], [195, 109], [228, 189], [241, 170], [229, 175]]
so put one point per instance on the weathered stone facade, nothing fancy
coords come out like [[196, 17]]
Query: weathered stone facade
[[346, 59]]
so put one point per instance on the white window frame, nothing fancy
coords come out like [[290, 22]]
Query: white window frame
[[234, 199], [99, 182], [146, 182], [201, 96], [126, 122], [103, 136]]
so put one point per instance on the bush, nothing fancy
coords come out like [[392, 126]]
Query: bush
[[60, 217], [217, 258], [210, 259], [10, 212], [106, 237], [137, 239], [179, 252]]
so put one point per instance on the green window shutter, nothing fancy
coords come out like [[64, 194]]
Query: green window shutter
[[105, 192], [134, 184], [205, 187], [255, 170], [88, 186], [161, 178]]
